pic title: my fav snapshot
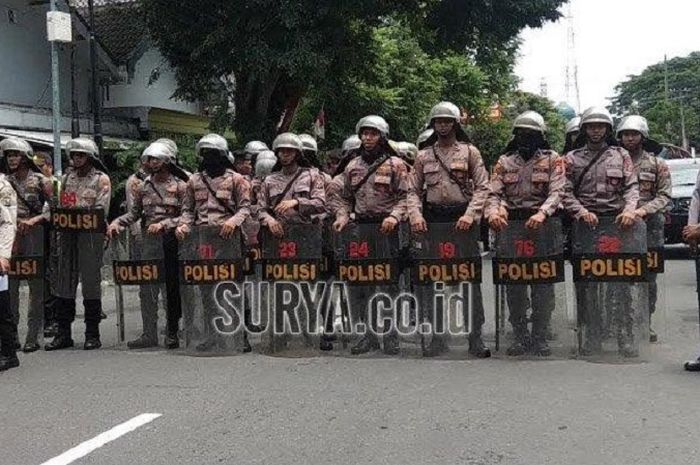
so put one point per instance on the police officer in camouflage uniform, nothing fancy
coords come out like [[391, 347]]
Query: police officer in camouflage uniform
[[255, 148], [292, 194], [457, 195], [8, 325], [527, 183], [654, 184], [80, 254], [215, 196], [573, 128], [422, 140], [382, 196], [33, 191], [609, 187], [157, 206]]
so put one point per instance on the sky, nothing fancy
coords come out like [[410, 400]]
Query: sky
[[614, 39]]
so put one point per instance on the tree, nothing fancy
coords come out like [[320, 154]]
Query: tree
[[646, 94], [266, 55], [402, 86], [493, 136]]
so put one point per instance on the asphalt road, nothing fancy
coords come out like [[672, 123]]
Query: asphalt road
[[257, 409]]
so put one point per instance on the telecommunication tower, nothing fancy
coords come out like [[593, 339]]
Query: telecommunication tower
[[573, 95]]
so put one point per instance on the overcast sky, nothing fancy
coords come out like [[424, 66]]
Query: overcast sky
[[614, 39]]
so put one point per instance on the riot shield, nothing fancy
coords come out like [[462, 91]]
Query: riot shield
[[27, 265], [446, 274], [80, 241], [657, 282], [611, 280], [529, 275], [212, 270], [291, 266], [368, 272], [138, 266]]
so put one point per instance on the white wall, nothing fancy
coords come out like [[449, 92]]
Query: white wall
[[139, 93]]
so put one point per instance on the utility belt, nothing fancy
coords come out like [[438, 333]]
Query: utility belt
[[444, 213]]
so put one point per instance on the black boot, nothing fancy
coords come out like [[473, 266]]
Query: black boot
[[653, 338], [437, 347], [62, 340], [391, 345], [58, 343], [692, 366], [93, 310], [92, 343], [477, 347], [143, 342], [366, 344], [540, 347], [8, 361], [30, 347], [521, 341]]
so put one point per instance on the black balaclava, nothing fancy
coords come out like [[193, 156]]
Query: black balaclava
[[213, 163], [527, 143]]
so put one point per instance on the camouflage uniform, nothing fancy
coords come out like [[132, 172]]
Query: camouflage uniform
[[523, 188], [201, 208], [33, 194], [308, 190], [81, 253], [8, 226], [439, 198], [159, 202], [654, 197], [383, 194], [609, 188]]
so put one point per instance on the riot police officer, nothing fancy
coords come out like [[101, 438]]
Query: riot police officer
[[374, 184], [654, 185], [254, 148], [8, 325], [600, 180], [292, 194], [157, 206], [80, 254], [33, 191], [422, 140], [573, 128], [450, 184], [215, 196], [527, 183]]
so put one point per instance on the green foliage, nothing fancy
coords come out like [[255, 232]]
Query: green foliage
[[492, 137], [645, 94], [264, 56], [402, 87]]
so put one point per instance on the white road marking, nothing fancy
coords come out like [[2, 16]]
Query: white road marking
[[83, 449]]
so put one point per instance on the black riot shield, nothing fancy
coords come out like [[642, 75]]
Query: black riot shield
[[80, 241], [292, 268], [138, 267], [368, 268], [529, 274], [657, 283], [27, 265], [611, 279], [212, 270], [446, 274]]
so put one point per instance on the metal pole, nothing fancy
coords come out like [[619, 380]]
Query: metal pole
[[56, 104], [96, 110], [75, 116]]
